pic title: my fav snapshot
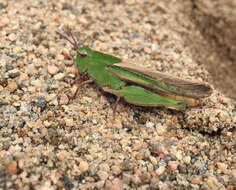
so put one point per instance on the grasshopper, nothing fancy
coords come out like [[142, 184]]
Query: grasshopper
[[136, 85]]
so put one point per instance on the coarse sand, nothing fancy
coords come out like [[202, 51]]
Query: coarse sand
[[48, 141]]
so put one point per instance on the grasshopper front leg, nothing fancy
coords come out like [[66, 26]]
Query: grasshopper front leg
[[81, 84], [115, 106]]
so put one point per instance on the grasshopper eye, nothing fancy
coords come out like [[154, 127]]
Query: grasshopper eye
[[83, 53]]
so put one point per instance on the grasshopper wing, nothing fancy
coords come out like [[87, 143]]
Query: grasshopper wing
[[159, 82]]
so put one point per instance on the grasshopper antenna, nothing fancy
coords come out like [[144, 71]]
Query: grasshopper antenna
[[74, 42], [72, 36]]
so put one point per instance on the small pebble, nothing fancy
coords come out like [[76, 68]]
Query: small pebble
[[104, 167], [14, 73], [223, 100], [196, 180], [59, 76], [153, 160], [86, 99], [12, 86], [137, 180], [60, 57], [11, 168], [181, 180], [149, 124], [102, 175], [46, 124], [45, 187], [50, 97], [21, 163], [94, 121], [212, 182], [147, 50], [187, 159], [69, 122], [17, 50], [37, 83], [23, 77], [115, 170], [82, 20], [161, 129], [61, 146], [223, 167], [62, 154], [52, 51], [12, 37], [117, 184], [100, 184], [56, 18], [64, 99], [160, 170], [52, 69], [4, 22], [157, 148], [173, 165], [137, 145], [1, 88], [179, 155], [127, 164], [83, 166]]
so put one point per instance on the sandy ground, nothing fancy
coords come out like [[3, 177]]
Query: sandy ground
[[48, 142]]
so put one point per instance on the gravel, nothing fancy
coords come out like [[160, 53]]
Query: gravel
[[49, 141]]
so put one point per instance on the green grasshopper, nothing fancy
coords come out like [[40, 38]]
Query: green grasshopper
[[135, 84]]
